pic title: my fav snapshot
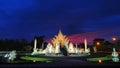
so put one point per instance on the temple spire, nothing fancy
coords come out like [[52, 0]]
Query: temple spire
[[85, 43], [60, 38], [60, 32]]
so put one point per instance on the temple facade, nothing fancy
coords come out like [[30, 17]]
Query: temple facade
[[60, 45]]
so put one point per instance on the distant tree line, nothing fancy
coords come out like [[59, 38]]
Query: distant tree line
[[19, 45], [103, 45]]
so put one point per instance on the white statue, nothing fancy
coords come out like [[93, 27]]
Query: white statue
[[11, 56], [51, 49], [115, 56], [48, 47], [57, 48], [95, 49], [71, 48], [114, 53], [76, 49]]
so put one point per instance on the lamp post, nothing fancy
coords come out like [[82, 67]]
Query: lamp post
[[97, 45], [115, 43]]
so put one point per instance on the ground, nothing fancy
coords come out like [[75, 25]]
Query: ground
[[65, 61]]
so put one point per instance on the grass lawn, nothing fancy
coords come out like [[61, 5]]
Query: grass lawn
[[108, 57], [39, 59]]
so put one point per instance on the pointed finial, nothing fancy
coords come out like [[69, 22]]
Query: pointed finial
[[60, 32]]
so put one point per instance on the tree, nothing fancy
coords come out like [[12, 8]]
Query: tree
[[40, 40], [102, 45], [116, 45], [98, 40], [106, 46], [23, 43], [28, 48]]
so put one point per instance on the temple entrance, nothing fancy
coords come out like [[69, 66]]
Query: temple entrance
[[64, 51]]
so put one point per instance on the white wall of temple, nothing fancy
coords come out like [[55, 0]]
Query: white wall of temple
[[69, 47]]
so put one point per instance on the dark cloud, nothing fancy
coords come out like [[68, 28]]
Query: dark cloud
[[27, 18]]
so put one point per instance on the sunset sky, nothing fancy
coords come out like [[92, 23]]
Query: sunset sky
[[27, 18]]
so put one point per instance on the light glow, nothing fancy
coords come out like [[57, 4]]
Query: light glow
[[100, 61], [98, 43], [114, 39]]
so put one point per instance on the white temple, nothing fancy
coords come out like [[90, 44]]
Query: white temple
[[61, 42]]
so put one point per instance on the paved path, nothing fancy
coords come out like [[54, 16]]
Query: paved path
[[62, 62]]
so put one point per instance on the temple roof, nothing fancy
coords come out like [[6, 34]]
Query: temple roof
[[60, 38]]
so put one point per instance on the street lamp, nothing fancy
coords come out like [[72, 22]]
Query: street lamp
[[114, 39], [98, 43], [100, 61]]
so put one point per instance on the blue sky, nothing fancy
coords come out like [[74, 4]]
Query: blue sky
[[27, 18]]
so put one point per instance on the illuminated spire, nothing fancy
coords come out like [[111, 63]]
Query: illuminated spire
[[60, 33], [60, 38], [85, 43]]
